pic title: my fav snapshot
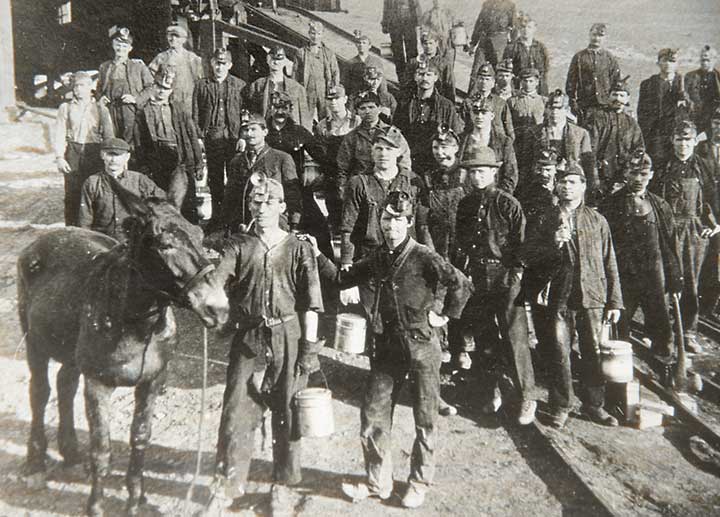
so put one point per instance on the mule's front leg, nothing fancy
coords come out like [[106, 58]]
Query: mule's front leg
[[39, 395], [97, 409], [140, 433], [67, 384]]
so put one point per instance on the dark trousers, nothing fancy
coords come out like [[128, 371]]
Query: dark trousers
[[501, 309], [710, 278], [420, 366], [219, 152], [243, 408], [403, 45], [647, 291], [587, 323], [84, 160], [691, 249], [543, 324]]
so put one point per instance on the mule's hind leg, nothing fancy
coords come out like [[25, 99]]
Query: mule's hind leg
[[67, 384], [140, 433], [97, 410], [39, 395]]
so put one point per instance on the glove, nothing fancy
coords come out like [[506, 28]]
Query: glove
[[307, 361]]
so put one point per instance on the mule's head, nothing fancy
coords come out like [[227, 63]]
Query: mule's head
[[168, 249]]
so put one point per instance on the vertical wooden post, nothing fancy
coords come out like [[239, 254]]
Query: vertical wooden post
[[7, 58]]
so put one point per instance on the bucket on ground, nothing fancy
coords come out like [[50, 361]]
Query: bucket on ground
[[350, 333], [314, 412], [616, 360]]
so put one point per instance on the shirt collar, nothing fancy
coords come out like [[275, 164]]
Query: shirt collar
[[397, 251]]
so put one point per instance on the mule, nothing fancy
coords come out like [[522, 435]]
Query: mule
[[102, 309]]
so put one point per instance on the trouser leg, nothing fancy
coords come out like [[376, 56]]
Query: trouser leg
[[287, 467], [397, 47], [563, 327], [425, 387], [692, 254], [219, 152], [652, 299], [709, 289], [543, 323], [589, 323], [84, 160]]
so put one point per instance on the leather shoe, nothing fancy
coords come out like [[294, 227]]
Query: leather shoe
[[692, 345], [415, 496], [599, 416], [445, 409], [527, 412], [357, 492], [558, 418]]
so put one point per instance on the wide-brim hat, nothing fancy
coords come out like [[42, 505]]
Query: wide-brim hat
[[480, 156]]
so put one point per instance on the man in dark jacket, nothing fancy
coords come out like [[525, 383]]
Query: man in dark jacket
[[591, 74], [709, 150], [527, 108], [527, 52], [419, 116], [414, 292], [217, 103], [258, 157], [483, 89], [120, 84], [491, 34], [614, 135], [375, 82], [490, 230], [170, 151], [660, 105], [703, 88], [364, 59], [400, 20], [643, 231], [687, 185], [574, 249], [431, 53]]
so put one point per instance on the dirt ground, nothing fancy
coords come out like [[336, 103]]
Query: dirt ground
[[487, 465]]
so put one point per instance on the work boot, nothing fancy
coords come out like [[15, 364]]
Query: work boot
[[692, 345], [281, 501], [361, 491], [558, 418], [464, 361], [445, 409], [527, 412], [415, 496], [599, 416], [493, 405]]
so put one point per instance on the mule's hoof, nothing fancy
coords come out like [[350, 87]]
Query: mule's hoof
[[36, 481]]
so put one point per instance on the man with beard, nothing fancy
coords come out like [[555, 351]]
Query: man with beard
[[355, 153], [614, 135], [420, 115], [687, 185], [591, 74], [527, 52], [483, 89], [660, 105], [315, 66], [709, 150], [120, 83], [528, 113], [643, 231], [703, 88]]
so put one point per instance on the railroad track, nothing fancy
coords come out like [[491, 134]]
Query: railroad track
[[710, 328]]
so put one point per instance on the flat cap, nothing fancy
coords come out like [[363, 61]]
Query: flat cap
[[392, 137], [685, 129], [425, 65], [277, 53], [280, 99], [547, 156], [486, 70], [639, 160], [480, 156], [572, 168], [445, 135], [668, 54], [373, 72], [557, 98], [315, 26], [707, 50], [359, 35], [523, 19], [620, 85], [247, 119], [222, 55], [335, 91], [176, 29], [115, 144], [427, 35], [506, 65], [264, 189], [480, 105], [598, 28], [529, 72], [121, 34], [399, 204], [367, 96]]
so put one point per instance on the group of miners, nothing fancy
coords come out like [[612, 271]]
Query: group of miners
[[501, 231]]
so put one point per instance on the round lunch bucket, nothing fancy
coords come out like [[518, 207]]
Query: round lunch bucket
[[314, 412], [350, 333], [616, 361]]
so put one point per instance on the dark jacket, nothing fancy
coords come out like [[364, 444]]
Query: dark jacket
[[536, 56], [277, 165], [138, 77], [589, 80], [419, 132], [443, 190], [495, 16], [205, 98], [656, 115], [507, 175], [703, 89], [294, 140], [257, 99], [503, 117], [445, 84], [394, 18], [599, 285], [355, 80], [617, 211], [416, 282]]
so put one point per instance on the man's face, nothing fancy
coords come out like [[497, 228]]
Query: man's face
[[637, 180], [527, 31], [482, 118], [368, 112], [571, 188], [619, 99], [255, 134], [175, 41], [597, 39], [482, 177], [485, 84], [394, 228], [275, 63], [121, 48], [545, 175], [315, 35], [267, 213], [115, 161], [683, 147], [707, 60], [529, 84], [503, 79], [425, 79], [557, 113], [445, 153], [162, 94], [220, 69], [82, 89], [666, 66], [384, 155], [337, 105], [363, 46], [374, 84], [280, 113], [430, 46]]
